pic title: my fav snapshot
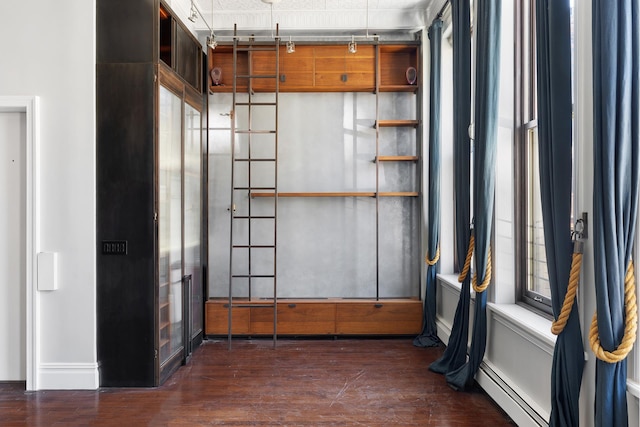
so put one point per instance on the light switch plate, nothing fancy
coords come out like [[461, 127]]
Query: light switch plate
[[47, 271]]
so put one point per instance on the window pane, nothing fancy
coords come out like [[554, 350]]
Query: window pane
[[537, 274], [504, 212]]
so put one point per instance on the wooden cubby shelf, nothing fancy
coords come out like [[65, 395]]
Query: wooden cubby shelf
[[394, 60], [339, 194]]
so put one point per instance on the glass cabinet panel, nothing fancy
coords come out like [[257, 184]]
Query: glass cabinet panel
[[170, 290], [193, 215]]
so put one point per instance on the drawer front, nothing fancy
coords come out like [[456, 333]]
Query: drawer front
[[379, 318], [296, 319], [217, 319]]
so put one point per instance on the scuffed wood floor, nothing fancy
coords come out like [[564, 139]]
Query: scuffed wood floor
[[344, 382]]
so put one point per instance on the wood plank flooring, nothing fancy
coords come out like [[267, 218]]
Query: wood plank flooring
[[343, 382]]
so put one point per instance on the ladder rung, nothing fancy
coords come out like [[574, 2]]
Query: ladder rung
[[253, 276], [254, 188], [256, 131], [255, 160], [259, 104], [254, 246], [254, 217]]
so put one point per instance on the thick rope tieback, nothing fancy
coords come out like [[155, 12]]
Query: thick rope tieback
[[574, 278], [435, 259], [467, 261], [487, 276], [630, 327]]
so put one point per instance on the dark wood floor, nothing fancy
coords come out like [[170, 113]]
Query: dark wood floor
[[344, 382]]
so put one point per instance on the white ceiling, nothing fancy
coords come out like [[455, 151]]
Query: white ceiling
[[314, 16]]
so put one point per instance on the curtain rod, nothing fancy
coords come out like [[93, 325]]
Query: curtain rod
[[446, 4]]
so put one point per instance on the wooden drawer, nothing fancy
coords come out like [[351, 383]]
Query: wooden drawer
[[319, 317], [379, 317], [296, 318], [217, 319]]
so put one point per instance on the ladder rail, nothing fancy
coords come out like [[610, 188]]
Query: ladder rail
[[232, 207], [275, 200], [247, 133]]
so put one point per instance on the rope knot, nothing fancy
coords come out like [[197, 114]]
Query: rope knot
[[435, 259], [630, 327]]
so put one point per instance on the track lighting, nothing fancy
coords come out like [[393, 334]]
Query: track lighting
[[353, 47], [193, 13], [291, 47], [211, 41]]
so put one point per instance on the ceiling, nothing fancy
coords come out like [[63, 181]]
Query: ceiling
[[300, 17]]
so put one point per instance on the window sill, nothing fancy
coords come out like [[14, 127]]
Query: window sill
[[529, 324]]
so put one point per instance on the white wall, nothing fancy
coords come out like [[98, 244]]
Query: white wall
[[48, 50]]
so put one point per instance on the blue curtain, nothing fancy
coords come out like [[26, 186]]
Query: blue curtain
[[553, 42], [486, 127], [455, 355], [429, 335], [616, 137]]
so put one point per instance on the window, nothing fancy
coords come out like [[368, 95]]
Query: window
[[518, 247], [531, 272], [532, 263]]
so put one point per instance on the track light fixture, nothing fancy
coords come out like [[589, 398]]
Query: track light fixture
[[211, 41], [353, 47], [193, 13], [291, 47]]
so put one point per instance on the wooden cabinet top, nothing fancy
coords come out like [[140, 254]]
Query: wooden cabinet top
[[316, 68]]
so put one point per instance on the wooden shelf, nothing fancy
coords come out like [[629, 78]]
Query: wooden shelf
[[397, 123], [399, 88], [356, 194], [323, 194], [399, 194], [397, 158]]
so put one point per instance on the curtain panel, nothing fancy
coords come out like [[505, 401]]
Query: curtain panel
[[616, 140], [485, 142], [553, 45], [429, 335], [455, 355]]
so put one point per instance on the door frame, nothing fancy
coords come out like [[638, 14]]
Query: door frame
[[30, 106]]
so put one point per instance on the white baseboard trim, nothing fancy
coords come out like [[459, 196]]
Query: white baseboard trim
[[68, 376], [499, 390], [508, 399]]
